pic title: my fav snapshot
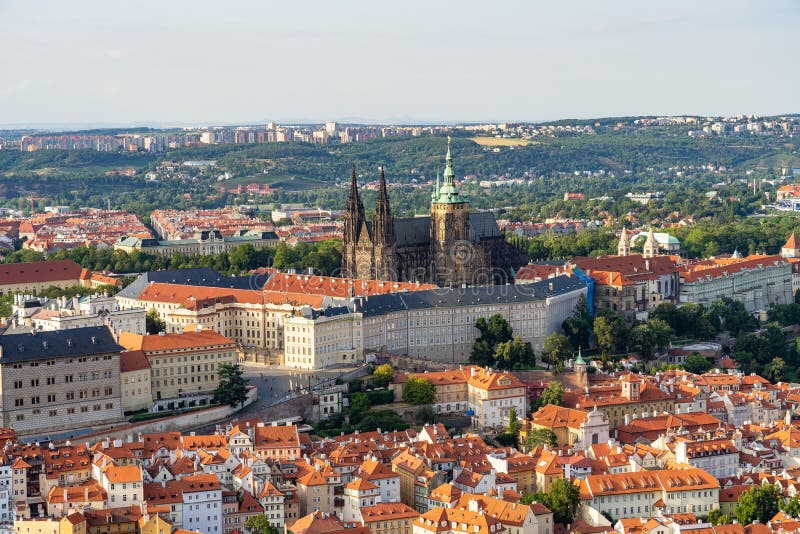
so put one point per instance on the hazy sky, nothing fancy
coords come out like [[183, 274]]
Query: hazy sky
[[204, 62]]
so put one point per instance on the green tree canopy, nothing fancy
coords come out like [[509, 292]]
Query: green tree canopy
[[649, 337], [562, 499], [553, 394], [609, 332], [557, 349], [759, 502], [153, 322], [232, 388], [513, 422], [540, 436], [578, 326], [418, 390], [258, 524], [697, 364]]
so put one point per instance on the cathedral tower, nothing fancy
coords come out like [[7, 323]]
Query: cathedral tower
[[452, 253], [384, 239], [650, 248], [624, 246], [353, 223]]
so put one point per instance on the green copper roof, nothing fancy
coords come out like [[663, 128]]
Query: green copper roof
[[448, 192], [579, 359]]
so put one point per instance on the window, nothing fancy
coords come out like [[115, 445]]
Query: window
[[34, 382], [51, 380]]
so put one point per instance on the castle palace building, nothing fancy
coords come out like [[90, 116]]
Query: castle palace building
[[450, 247]]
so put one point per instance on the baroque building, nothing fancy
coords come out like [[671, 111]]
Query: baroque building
[[450, 247]]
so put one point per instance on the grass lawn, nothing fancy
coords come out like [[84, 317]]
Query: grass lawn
[[501, 141]]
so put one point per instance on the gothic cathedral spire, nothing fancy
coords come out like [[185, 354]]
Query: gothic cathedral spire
[[353, 222], [383, 236], [382, 222]]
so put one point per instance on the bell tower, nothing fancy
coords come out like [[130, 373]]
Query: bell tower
[[624, 246], [452, 252]]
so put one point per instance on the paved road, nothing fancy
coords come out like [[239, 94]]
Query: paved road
[[275, 383]]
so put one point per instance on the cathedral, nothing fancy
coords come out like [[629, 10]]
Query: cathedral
[[452, 246]]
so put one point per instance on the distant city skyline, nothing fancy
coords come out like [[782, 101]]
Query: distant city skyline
[[183, 63]]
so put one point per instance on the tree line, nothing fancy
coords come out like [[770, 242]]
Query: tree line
[[324, 257]]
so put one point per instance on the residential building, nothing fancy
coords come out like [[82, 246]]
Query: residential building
[[388, 518], [202, 503], [516, 518], [574, 427], [183, 364], [135, 375], [486, 395], [453, 521], [634, 397], [645, 493], [55, 381]]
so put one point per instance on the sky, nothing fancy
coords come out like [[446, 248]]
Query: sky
[[174, 62]]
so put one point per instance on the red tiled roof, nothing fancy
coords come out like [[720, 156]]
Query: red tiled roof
[[132, 360], [39, 272]]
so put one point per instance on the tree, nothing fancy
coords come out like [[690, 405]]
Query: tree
[[153, 322], [557, 349], [791, 507], [553, 394], [716, 517], [578, 326], [492, 333], [513, 422], [540, 436], [774, 370], [383, 375], [649, 337], [563, 499], [697, 363], [424, 415], [418, 390], [359, 404], [514, 354], [608, 331], [760, 502], [232, 388], [258, 524]]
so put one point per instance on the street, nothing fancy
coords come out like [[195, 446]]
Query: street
[[275, 383]]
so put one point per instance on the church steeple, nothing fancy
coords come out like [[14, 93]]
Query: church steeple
[[448, 193], [650, 249], [382, 222], [624, 246]]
